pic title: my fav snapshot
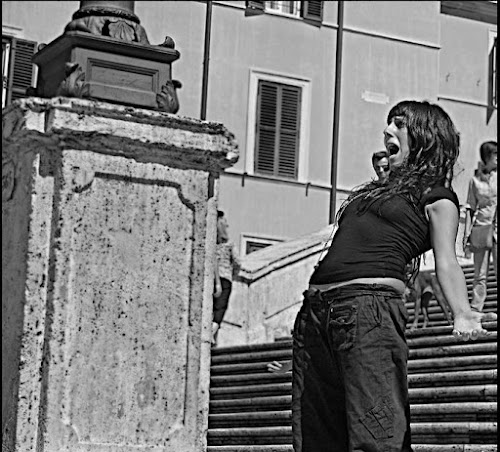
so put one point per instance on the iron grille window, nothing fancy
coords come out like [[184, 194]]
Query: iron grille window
[[17, 68], [278, 126]]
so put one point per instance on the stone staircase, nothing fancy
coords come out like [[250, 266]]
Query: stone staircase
[[452, 391]]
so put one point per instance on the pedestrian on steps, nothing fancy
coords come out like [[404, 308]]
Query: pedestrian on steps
[[350, 390], [481, 221], [226, 266]]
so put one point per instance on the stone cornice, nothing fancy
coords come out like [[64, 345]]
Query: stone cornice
[[136, 133]]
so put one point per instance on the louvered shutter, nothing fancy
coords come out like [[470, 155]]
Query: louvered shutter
[[493, 74], [278, 126], [289, 132], [313, 12], [21, 69], [266, 138]]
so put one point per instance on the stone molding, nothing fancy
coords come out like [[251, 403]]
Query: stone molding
[[163, 138]]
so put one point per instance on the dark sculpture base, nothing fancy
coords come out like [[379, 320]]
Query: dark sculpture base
[[79, 64]]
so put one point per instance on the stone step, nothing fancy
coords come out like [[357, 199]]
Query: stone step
[[431, 381], [414, 380], [431, 432], [441, 331], [461, 349], [416, 448], [490, 305], [414, 365], [237, 402], [472, 411], [452, 363], [438, 341]]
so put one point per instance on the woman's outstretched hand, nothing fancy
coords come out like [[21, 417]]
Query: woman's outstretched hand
[[467, 326], [277, 367]]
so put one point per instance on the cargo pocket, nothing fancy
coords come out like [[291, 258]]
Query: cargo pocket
[[379, 421], [342, 325]]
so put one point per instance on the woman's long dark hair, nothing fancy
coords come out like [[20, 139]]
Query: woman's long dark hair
[[434, 144]]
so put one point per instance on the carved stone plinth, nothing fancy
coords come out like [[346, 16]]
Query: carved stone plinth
[[108, 245], [81, 64]]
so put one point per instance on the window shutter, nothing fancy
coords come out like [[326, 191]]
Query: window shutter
[[253, 8], [266, 137], [278, 126], [289, 132], [312, 12], [21, 69], [493, 75]]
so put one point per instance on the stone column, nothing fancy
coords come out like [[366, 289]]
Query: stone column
[[109, 226]]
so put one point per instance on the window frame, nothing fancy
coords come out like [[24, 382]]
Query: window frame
[[304, 11], [304, 128], [6, 57], [249, 238], [16, 40], [297, 4]]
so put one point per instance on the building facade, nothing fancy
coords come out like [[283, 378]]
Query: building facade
[[305, 86]]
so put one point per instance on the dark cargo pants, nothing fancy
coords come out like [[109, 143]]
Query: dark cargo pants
[[350, 390]]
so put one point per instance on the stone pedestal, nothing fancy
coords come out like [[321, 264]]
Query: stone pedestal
[[85, 65], [108, 242]]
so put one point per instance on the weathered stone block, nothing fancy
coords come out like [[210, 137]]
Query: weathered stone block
[[108, 242]]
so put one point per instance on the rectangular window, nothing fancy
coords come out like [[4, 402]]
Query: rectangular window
[[17, 68], [310, 11], [277, 129], [291, 8]]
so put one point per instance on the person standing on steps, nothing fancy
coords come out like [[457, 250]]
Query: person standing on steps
[[227, 264], [481, 221], [349, 371]]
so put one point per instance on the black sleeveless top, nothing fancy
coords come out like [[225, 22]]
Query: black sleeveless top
[[379, 241]]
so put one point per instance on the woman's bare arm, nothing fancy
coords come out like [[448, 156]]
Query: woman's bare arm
[[443, 219]]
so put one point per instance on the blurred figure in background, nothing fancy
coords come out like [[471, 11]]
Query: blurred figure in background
[[425, 287], [226, 266], [381, 165], [481, 221]]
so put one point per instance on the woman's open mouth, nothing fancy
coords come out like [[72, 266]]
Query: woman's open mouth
[[392, 148]]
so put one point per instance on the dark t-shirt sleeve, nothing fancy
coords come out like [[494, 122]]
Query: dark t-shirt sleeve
[[440, 193]]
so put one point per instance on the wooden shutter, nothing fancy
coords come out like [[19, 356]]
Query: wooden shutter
[[289, 132], [313, 12], [493, 75], [253, 8], [21, 69], [278, 126], [266, 138]]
